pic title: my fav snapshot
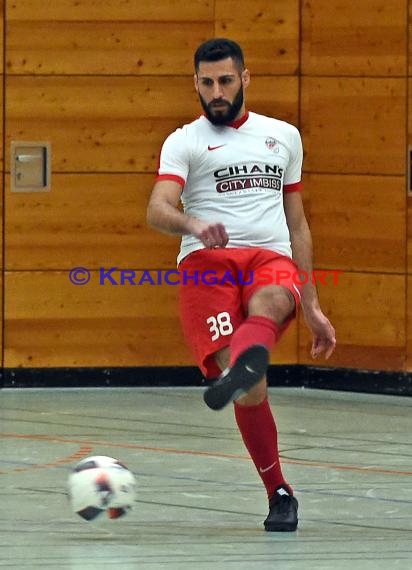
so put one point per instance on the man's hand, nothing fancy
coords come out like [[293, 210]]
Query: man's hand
[[324, 337], [211, 234]]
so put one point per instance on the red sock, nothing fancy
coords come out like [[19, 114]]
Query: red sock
[[259, 433], [254, 330]]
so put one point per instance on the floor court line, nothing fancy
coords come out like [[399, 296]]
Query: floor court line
[[119, 445]]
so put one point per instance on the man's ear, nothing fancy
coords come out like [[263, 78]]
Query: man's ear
[[245, 78], [196, 82]]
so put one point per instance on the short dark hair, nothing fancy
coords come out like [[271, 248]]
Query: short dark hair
[[217, 49]]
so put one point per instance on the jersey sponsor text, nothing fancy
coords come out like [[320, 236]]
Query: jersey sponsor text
[[248, 183]]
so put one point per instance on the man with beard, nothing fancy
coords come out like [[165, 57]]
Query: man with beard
[[238, 176]]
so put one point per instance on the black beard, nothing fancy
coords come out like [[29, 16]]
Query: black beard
[[220, 118]]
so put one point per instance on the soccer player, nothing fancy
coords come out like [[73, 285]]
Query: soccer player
[[238, 177]]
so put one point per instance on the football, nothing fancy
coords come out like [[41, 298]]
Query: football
[[101, 485]]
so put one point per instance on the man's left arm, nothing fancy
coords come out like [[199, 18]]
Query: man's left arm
[[324, 340]]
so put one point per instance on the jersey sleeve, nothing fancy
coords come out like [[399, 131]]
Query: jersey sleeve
[[293, 173], [174, 158]]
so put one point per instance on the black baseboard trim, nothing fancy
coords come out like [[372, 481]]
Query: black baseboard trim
[[345, 380], [340, 379]]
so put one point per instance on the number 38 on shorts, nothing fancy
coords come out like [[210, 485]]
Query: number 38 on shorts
[[220, 325]]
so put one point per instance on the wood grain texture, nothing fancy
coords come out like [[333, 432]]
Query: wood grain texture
[[92, 220], [409, 236], [111, 10], [2, 43], [409, 37], [106, 81], [408, 199], [354, 125], [267, 31], [408, 365], [286, 351], [2, 178], [409, 104], [2, 186], [51, 322], [275, 97], [354, 38], [100, 124], [2, 320], [369, 315], [112, 48], [358, 223]]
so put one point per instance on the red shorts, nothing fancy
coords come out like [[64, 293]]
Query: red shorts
[[214, 292]]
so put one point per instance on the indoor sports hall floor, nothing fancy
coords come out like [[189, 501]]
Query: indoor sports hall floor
[[200, 504]]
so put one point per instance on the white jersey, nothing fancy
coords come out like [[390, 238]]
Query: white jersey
[[236, 175]]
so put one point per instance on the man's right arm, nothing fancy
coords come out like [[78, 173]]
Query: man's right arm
[[163, 211], [163, 214]]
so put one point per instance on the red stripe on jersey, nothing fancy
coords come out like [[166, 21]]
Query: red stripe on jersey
[[239, 122], [172, 177], [297, 187]]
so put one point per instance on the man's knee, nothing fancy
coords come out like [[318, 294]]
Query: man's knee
[[274, 301]]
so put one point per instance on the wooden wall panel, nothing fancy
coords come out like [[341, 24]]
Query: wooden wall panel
[[106, 82], [114, 48], [286, 351], [409, 39], [409, 235], [2, 166], [354, 38], [408, 366], [369, 314], [2, 320], [93, 220], [358, 222], [2, 34], [409, 204], [267, 31], [409, 199], [354, 126], [2, 190], [103, 124], [409, 211], [1, 99], [99, 124], [275, 96], [111, 10], [51, 322]]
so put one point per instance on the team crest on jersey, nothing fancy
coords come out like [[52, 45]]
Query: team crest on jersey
[[272, 144]]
